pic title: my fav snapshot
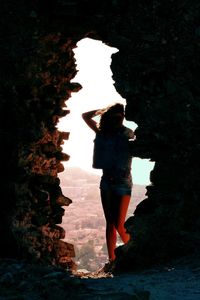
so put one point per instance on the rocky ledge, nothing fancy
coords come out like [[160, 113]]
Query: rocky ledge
[[179, 280]]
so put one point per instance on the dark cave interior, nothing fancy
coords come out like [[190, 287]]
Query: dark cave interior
[[156, 70]]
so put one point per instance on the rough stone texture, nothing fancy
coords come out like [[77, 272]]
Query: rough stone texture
[[177, 280], [156, 70]]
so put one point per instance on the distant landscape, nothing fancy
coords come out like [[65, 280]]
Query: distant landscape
[[84, 220]]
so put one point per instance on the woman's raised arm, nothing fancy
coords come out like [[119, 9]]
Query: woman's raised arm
[[87, 117]]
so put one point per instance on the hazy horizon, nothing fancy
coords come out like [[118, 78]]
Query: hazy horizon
[[82, 171]]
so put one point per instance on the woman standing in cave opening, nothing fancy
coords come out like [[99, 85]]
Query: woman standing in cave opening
[[112, 155]]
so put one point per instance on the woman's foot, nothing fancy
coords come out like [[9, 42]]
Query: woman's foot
[[108, 267]]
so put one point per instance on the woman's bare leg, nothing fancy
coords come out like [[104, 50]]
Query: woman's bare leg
[[111, 239], [109, 212], [123, 203]]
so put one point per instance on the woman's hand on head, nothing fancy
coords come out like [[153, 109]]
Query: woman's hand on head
[[88, 118]]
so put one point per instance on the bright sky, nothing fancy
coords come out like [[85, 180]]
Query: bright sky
[[93, 59]]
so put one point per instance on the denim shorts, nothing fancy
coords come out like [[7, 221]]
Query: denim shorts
[[118, 182]]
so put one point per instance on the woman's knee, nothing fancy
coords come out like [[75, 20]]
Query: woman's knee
[[120, 228]]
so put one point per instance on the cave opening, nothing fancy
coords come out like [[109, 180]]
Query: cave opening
[[155, 70], [83, 220]]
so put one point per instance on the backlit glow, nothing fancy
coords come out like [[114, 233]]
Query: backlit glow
[[93, 60]]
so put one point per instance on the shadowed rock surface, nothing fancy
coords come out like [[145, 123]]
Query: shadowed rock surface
[[179, 280]]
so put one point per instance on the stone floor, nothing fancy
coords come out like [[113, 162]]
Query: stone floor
[[179, 280]]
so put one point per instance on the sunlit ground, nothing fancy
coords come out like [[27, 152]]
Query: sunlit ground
[[93, 60]]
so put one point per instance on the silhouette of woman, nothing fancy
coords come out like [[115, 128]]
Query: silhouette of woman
[[112, 155]]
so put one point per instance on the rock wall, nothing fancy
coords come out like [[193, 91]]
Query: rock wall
[[155, 70]]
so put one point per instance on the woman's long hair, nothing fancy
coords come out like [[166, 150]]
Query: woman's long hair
[[106, 122]]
